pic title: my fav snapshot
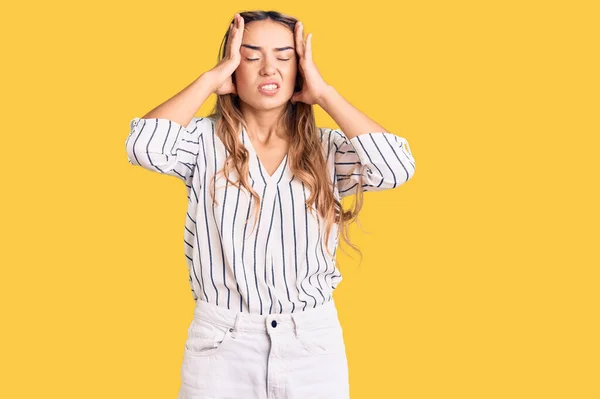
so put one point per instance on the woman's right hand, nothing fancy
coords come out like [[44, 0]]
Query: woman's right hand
[[224, 70]]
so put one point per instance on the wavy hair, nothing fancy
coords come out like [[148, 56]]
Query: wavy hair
[[305, 155]]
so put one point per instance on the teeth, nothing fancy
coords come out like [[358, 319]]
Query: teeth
[[269, 87]]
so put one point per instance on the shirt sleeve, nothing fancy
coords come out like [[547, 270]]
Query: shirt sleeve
[[383, 160], [163, 146]]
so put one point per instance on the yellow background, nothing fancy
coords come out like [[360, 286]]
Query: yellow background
[[479, 277]]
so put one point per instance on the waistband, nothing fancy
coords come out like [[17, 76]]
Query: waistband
[[322, 316]]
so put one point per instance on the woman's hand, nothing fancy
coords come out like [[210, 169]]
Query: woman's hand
[[313, 87], [225, 68]]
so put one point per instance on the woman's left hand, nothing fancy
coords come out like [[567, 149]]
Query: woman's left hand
[[314, 87]]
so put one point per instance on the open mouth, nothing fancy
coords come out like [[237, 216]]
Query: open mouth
[[270, 88]]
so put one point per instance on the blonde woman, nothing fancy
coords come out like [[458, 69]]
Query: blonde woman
[[264, 185]]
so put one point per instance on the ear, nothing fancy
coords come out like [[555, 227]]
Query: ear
[[295, 98]]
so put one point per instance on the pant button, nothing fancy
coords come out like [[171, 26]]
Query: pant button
[[274, 323]]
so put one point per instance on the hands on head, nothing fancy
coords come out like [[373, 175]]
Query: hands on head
[[313, 88], [230, 62]]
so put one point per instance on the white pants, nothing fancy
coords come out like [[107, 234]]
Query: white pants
[[235, 355]]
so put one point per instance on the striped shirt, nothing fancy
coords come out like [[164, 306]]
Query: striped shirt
[[282, 266]]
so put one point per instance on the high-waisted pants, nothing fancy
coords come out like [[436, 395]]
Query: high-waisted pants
[[237, 355]]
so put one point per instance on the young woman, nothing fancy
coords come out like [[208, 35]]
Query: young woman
[[264, 186]]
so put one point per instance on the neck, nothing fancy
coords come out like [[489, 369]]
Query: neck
[[264, 126]]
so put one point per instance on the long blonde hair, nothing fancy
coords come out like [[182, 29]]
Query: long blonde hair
[[305, 156]]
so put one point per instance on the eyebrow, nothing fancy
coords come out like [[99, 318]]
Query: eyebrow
[[260, 48]]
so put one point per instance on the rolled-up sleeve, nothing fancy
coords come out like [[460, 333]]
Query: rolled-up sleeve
[[382, 161], [163, 146]]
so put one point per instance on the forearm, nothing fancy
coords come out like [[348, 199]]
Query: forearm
[[350, 120], [182, 107]]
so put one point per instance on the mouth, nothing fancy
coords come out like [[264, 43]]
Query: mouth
[[269, 88]]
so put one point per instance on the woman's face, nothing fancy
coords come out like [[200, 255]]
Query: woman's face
[[268, 54]]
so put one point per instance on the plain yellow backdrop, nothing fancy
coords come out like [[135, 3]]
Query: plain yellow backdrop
[[479, 277]]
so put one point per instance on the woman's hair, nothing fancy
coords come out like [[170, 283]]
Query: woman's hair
[[306, 158]]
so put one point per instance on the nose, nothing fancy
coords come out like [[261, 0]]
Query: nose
[[268, 68]]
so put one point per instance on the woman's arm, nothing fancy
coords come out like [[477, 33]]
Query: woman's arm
[[364, 151], [182, 107], [350, 120], [167, 139]]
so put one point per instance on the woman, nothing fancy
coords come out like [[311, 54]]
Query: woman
[[265, 323]]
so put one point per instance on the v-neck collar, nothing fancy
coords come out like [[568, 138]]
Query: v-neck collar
[[258, 165]]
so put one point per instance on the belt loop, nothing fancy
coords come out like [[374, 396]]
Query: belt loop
[[296, 326], [236, 324]]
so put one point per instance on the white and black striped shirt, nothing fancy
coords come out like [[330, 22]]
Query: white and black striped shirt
[[282, 266]]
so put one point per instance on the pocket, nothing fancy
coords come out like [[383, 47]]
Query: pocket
[[206, 338], [323, 341]]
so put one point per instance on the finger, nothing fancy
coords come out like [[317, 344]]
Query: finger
[[240, 21], [228, 40], [234, 31], [240, 31], [236, 39], [296, 27], [231, 39], [231, 32], [233, 27], [300, 39], [308, 54]]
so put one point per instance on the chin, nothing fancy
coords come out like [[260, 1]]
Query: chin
[[269, 103]]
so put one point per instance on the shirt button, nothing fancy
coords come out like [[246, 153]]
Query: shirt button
[[274, 323]]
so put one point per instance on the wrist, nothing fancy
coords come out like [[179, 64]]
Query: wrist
[[208, 79], [325, 96], [206, 83]]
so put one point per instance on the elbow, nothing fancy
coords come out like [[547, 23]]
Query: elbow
[[131, 158], [130, 142], [403, 174], [139, 151], [408, 172], [407, 166]]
